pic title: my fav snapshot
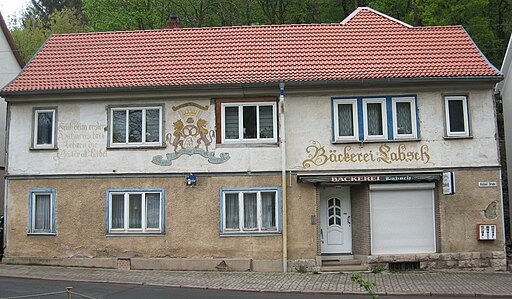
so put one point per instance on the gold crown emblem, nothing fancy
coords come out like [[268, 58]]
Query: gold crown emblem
[[190, 112]]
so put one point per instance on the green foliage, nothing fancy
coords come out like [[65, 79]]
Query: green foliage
[[377, 269], [302, 269], [366, 285]]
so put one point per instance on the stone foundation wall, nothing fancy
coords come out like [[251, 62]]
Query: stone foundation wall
[[474, 261]]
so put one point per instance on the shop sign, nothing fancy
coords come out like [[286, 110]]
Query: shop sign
[[487, 184], [448, 183], [380, 178]]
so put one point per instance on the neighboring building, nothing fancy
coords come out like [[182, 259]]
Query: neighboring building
[[505, 88], [11, 65], [263, 148]]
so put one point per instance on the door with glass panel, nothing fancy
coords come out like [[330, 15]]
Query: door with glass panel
[[335, 220]]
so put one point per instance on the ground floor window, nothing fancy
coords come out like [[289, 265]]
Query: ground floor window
[[250, 210], [402, 218], [135, 211], [41, 211]]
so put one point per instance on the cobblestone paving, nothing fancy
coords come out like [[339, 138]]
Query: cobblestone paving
[[411, 283]]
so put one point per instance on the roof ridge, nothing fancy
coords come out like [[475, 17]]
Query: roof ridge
[[361, 8]]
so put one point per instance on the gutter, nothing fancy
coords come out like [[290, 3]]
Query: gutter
[[283, 175]]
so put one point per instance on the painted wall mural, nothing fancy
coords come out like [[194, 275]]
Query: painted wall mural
[[190, 136], [80, 140], [318, 155]]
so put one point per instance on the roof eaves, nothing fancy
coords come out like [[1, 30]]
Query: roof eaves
[[491, 79], [10, 41], [359, 9]]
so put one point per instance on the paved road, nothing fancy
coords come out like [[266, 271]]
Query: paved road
[[11, 287]]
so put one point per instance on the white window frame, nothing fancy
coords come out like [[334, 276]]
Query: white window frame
[[412, 102], [127, 143], [241, 229], [381, 101], [36, 128], [355, 121], [240, 138], [32, 212], [143, 229], [465, 112]]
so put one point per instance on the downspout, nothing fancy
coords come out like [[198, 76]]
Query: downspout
[[6, 168], [283, 175]]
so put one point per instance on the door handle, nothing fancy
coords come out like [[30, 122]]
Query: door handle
[[348, 220], [322, 236]]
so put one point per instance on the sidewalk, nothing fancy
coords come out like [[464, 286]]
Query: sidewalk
[[409, 283]]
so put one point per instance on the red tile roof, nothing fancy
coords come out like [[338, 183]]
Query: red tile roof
[[367, 45]]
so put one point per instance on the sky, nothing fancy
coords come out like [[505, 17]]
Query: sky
[[10, 7]]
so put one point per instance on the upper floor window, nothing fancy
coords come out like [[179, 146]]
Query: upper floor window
[[247, 121], [44, 128], [137, 211], [136, 126], [375, 118], [457, 116], [42, 212], [250, 210]]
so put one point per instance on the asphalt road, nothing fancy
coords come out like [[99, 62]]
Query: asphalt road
[[14, 287]]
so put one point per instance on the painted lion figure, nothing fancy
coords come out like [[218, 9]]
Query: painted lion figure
[[203, 134], [178, 136]]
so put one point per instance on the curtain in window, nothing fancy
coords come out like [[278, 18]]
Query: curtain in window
[[249, 118], [135, 211], [268, 210], [266, 122], [456, 113], [117, 211], [42, 212], [44, 127], [403, 118], [152, 125], [374, 111], [231, 123], [345, 120], [250, 210], [135, 128], [119, 126], [232, 211], [152, 210]]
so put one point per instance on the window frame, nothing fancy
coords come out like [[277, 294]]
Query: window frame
[[355, 119], [384, 115], [32, 213], [143, 143], [465, 112], [414, 118], [134, 231], [258, 231], [35, 128], [221, 104]]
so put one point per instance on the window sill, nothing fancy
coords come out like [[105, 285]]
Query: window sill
[[131, 147], [41, 234], [374, 141], [246, 145], [457, 137], [43, 148], [249, 234], [135, 234]]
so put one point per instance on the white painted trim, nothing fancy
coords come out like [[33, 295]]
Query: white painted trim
[[465, 113], [36, 128], [412, 102], [126, 209], [359, 9], [127, 110], [355, 126], [382, 102]]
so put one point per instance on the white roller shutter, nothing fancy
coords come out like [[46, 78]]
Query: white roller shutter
[[402, 218]]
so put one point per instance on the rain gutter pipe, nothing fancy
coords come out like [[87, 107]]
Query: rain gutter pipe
[[283, 175]]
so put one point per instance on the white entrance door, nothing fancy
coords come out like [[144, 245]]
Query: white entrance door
[[335, 220]]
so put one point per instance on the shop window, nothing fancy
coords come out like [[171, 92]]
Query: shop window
[[247, 121], [135, 126], [137, 211], [457, 118], [42, 212], [374, 118], [250, 211], [44, 128]]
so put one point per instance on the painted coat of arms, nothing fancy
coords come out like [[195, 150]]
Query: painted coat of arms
[[190, 136]]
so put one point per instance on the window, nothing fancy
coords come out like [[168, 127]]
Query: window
[[374, 115], [404, 118], [41, 212], [138, 211], [44, 128], [249, 122], [374, 118], [136, 126], [250, 211], [457, 119]]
